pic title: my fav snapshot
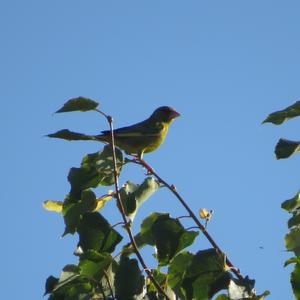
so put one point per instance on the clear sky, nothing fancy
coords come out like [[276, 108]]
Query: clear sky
[[224, 65]]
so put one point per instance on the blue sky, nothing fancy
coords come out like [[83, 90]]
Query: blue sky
[[224, 65]]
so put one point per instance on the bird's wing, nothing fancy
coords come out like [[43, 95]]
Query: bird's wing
[[137, 130]]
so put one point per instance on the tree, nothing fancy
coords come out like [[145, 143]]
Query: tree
[[284, 149], [101, 273]]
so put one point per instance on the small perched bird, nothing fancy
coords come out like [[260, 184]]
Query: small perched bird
[[145, 136]]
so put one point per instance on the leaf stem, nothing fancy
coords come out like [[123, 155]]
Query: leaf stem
[[122, 210], [191, 213]]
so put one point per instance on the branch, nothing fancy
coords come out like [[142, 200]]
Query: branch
[[122, 210], [191, 213]]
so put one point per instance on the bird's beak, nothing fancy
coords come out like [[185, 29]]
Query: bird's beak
[[175, 114]]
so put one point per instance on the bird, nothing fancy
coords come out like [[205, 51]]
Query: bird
[[145, 136]]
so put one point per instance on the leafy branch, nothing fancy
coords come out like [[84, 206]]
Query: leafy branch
[[103, 274]]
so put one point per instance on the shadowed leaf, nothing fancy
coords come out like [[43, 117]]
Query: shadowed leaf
[[129, 281], [286, 148], [95, 233], [96, 169], [278, 117], [295, 280], [78, 104], [170, 238], [68, 135]]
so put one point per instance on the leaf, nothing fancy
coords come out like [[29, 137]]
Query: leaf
[[95, 233], [292, 260], [292, 241], [78, 104], [145, 235], [134, 195], [198, 276], [281, 116], [170, 237], [68, 135], [69, 274], [96, 169], [55, 206], [295, 280], [94, 264], [177, 272], [206, 274], [129, 281], [222, 297], [50, 284], [72, 213], [285, 148], [291, 204], [241, 289]]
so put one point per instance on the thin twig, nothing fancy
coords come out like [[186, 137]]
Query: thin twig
[[122, 210], [191, 213]]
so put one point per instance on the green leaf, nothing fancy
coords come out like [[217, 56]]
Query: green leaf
[[72, 213], [129, 281], [96, 233], [294, 220], [295, 280], [281, 116], [78, 104], [134, 195], [222, 297], [69, 274], [66, 134], [292, 260], [94, 268], [177, 272], [286, 148], [96, 169], [206, 274], [291, 204], [292, 241], [50, 284], [241, 289], [170, 237]]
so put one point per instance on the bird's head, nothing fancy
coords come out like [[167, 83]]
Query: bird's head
[[165, 114]]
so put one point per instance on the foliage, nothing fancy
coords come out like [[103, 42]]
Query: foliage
[[108, 269], [284, 149]]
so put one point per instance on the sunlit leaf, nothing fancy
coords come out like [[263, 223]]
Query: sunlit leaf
[[55, 206], [129, 281], [134, 195], [241, 289], [100, 202], [281, 116], [292, 241], [286, 148], [78, 104]]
